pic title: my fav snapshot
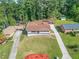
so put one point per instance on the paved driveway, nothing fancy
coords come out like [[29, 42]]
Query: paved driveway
[[16, 39], [61, 44]]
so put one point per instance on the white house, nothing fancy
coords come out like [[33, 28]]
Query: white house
[[38, 28]]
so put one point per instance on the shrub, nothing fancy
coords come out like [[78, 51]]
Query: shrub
[[72, 33], [76, 49], [72, 46], [2, 38]]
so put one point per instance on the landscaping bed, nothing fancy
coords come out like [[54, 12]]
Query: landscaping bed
[[38, 45]]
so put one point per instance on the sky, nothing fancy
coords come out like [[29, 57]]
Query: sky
[[16, 1]]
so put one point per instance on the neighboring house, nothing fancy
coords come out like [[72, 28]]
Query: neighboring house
[[66, 28], [20, 27], [10, 30], [38, 28], [37, 56]]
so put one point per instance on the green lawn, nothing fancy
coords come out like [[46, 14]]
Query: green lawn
[[69, 40], [5, 50], [59, 22], [38, 45]]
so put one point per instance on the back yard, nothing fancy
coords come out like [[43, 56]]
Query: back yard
[[71, 42], [59, 22], [38, 45], [5, 50]]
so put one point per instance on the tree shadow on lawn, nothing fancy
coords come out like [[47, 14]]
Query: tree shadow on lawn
[[24, 32], [74, 47], [59, 29]]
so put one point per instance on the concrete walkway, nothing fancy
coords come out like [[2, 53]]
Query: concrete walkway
[[16, 39], [61, 44]]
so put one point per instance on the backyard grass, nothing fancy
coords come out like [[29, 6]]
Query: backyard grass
[[38, 45], [60, 22], [69, 40], [5, 50]]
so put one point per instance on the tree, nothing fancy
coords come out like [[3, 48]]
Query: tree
[[73, 12], [28, 8], [38, 9]]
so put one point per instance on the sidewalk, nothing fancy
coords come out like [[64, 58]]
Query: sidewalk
[[16, 39]]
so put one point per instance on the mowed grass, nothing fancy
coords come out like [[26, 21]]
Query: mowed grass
[[5, 50], [69, 39], [38, 45], [60, 22]]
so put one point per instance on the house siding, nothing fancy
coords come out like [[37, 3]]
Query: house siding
[[36, 33], [67, 31]]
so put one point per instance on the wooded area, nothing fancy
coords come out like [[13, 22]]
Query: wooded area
[[28, 10]]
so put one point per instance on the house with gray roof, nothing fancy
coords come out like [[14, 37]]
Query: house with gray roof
[[66, 28]]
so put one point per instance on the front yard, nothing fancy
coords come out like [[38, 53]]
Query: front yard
[[71, 42], [38, 45], [5, 50]]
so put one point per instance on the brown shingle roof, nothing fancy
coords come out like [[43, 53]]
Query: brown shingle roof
[[8, 32], [38, 26]]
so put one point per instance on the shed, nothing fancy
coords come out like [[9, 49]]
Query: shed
[[63, 17], [69, 27]]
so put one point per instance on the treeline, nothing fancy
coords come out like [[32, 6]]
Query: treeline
[[28, 10]]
